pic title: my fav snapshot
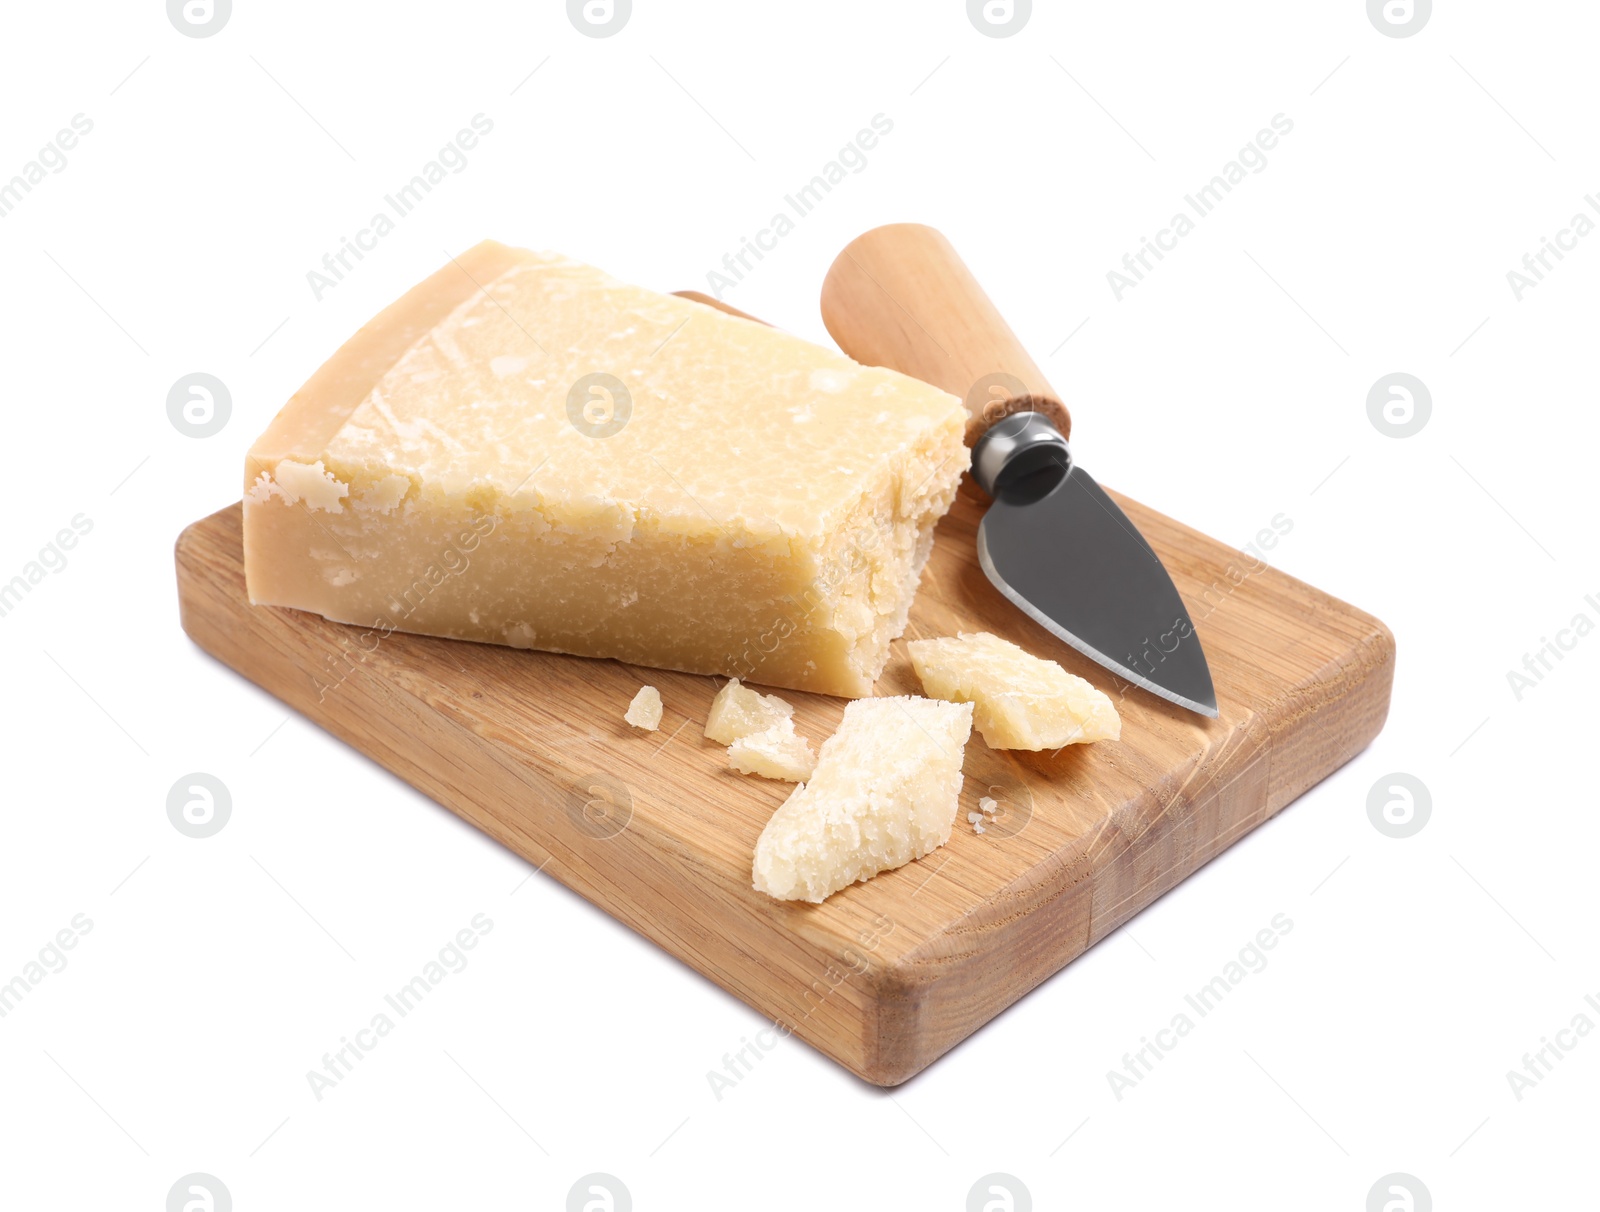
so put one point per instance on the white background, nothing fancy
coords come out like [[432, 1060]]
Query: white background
[[1228, 387]]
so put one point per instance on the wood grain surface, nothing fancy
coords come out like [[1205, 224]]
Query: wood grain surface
[[884, 976]]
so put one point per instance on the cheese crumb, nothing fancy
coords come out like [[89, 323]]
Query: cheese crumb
[[778, 752], [987, 807], [885, 791], [1020, 701], [645, 710], [738, 711]]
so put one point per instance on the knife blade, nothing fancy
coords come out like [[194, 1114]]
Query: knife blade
[[1052, 541]]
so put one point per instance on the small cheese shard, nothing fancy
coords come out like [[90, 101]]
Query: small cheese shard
[[987, 806], [524, 451], [778, 752], [1021, 701], [738, 711], [884, 792], [645, 710]]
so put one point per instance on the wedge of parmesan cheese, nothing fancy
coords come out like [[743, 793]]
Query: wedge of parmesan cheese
[[738, 711], [525, 451], [884, 792], [645, 710], [778, 752], [1019, 701]]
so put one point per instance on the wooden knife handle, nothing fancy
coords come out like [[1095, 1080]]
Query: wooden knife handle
[[899, 296]]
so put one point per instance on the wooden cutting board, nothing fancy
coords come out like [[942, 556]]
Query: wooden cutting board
[[884, 976]]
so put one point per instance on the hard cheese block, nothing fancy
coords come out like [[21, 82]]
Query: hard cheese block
[[525, 451]]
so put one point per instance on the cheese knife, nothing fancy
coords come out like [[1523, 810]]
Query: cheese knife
[[1052, 541]]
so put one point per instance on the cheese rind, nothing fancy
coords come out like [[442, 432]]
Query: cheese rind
[[763, 509], [1020, 701], [884, 792], [778, 752], [645, 709], [737, 711]]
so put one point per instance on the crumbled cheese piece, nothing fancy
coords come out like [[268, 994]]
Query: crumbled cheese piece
[[645, 710], [987, 806], [884, 792], [778, 752], [738, 711], [1021, 701]]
